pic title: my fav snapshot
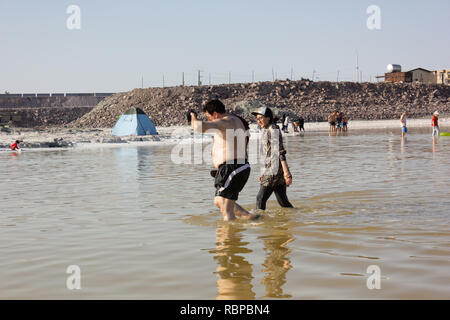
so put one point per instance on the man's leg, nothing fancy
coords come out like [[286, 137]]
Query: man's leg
[[226, 207], [230, 210], [244, 214]]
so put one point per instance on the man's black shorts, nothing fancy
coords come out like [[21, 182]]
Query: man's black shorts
[[231, 178]]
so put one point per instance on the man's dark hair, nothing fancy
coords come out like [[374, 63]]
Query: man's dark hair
[[214, 106]]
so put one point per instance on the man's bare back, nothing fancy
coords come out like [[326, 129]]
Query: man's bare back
[[229, 141]]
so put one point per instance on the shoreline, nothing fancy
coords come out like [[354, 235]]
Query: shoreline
[[64, 137]]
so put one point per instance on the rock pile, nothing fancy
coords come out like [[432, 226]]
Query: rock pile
[[313, 100]]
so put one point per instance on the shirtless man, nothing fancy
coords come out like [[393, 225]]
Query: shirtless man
[[332, 121], [229, 155]]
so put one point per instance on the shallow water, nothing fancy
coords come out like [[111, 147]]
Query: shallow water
[[141, 227]]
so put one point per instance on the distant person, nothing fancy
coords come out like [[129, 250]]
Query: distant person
[[295, 124], [332, 121], [403, 124], [301, 123], [276, 175], [15, 145], [435, 123], [285, 123], [339, 116], [229, 155], [344, 122], [283, 119]]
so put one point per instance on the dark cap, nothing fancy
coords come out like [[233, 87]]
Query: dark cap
[[264, 111]]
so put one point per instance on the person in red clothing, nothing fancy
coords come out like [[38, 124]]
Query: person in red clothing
[[435, 124], [15, 145]]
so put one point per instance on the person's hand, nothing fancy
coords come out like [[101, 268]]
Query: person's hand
[[260, 178], [191, 114], [288, 179]]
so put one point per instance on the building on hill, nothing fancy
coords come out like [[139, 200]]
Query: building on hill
[[422, 75], [395, 75], [442, 76]]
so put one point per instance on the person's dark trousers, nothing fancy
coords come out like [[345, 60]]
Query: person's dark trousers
[[265, 193]]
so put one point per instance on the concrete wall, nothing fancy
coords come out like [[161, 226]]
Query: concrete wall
[[16, 95], [33, 101], [34, 117]]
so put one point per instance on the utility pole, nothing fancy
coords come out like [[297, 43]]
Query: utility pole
[[229, 77], [292, 73], [253, 75], [199, 82], [357, 66], [273, 75], [182, 79]]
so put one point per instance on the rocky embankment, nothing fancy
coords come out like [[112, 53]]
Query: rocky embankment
[[313, 100]]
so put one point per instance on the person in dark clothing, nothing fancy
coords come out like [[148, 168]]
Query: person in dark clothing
[[339, 117], [276, 175], [301, 123], [283, 120]]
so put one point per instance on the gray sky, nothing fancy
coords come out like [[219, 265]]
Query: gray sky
[[119, 42]]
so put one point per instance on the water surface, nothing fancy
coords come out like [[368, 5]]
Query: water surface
[[141, 227]]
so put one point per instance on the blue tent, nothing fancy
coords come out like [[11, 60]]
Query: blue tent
[[134, 122]]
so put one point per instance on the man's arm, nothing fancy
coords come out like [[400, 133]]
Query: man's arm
[[202, 126]]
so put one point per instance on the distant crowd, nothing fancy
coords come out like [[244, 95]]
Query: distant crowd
[[298, 123], [338, 121]]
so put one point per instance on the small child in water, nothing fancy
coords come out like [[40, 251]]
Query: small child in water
[[15, 145]]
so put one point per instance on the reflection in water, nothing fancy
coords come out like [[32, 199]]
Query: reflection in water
[[234, 272], [433, 149], [403, 144], [337, 133], [276, 262]]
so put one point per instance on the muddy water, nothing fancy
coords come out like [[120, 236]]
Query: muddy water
[[139, 226]]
